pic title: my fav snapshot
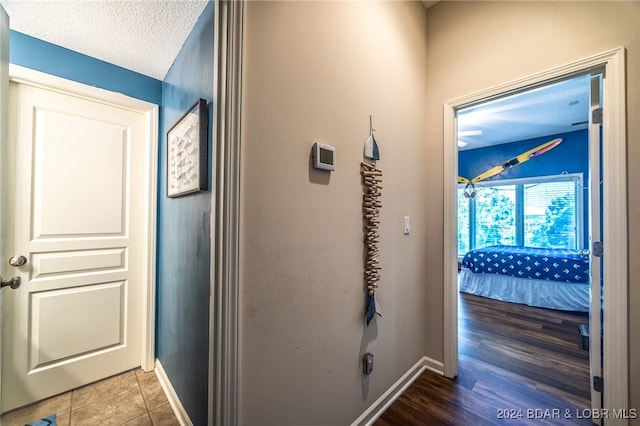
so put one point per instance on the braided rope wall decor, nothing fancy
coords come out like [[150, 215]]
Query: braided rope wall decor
[[371, 205]]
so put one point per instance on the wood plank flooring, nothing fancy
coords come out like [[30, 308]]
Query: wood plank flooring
[[517, 365]]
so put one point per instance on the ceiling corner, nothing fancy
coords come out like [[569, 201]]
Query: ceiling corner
[[428, 3]]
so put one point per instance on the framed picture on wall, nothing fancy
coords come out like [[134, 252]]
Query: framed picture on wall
[[187, 152]]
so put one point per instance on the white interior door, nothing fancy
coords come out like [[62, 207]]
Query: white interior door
[[77, 219], [4, 91], [595, 237]]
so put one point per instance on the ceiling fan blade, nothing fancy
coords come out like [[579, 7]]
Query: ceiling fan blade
[[518, 159]]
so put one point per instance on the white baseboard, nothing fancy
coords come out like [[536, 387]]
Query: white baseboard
[[433, 365], [386, 399], [172, 396]]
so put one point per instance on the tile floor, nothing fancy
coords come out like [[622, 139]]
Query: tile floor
[[133, 398]]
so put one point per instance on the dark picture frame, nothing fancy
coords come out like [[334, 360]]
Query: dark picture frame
[[187, 153]]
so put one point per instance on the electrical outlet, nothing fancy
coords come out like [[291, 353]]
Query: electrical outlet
[[367, 363]]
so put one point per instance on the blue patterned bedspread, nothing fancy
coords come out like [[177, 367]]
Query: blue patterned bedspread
[[529, 262]]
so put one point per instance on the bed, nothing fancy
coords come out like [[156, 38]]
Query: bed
[[546, 278]]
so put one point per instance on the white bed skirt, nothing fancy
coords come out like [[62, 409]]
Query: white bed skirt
[[540, 293]]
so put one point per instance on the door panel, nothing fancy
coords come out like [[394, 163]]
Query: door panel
[[595, 235], [56, 342], [56, 166], [78, 220], [4, 92], [49, 265]]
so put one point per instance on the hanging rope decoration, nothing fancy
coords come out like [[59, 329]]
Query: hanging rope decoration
[[371, 180], [371, 205]]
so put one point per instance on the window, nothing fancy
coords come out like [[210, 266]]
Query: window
[[550, 218], [463, 223], [544, 211], [495, 215]]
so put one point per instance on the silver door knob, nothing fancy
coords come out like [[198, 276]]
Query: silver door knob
[[584, 253], [17, 260], [13, 282]]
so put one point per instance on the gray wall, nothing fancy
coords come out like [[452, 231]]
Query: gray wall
[[315, 71], [184, 245]]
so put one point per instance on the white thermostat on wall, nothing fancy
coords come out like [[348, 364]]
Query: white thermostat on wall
[[324, 156]]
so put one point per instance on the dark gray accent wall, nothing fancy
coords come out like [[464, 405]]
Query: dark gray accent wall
[[184, 243]]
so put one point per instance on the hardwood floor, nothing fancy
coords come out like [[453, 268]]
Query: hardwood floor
[[517, 365]]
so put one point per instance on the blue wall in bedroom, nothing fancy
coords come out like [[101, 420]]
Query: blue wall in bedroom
[[570, 156], [30, 52], [184, 243]]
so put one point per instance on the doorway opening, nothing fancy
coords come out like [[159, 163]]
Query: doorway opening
[[92, 269], [523, 234], [614, 272]]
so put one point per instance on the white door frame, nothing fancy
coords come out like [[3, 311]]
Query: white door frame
[[4, 134], [614, 198], [224, 317], [38, 79]]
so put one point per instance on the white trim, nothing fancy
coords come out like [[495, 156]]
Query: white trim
[[615, 235], [381, 404], [212, 394], [172, 396], [4, 135], [616, 367], [433, 365], [38, 79], [595, 203], [450, 244], [225, 263], [147, 360]]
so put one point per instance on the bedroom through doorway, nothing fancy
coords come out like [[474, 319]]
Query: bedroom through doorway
[[527, 217]]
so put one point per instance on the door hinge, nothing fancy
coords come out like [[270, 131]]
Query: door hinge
[[596, 116], [598, 384], [597, 249]]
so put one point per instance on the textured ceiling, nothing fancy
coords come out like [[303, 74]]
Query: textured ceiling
[[146, 35], [548, 110], [141, 35]]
